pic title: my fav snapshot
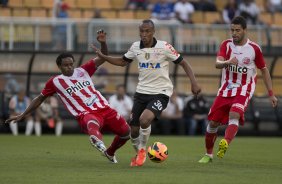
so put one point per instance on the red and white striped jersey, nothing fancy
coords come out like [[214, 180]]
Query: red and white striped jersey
[[240, 79], [77, 92]]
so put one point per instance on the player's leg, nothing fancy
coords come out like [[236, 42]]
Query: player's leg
[[230, 133], [153, 110], [37, 123], [210, 138], [14, 128], [92, 124], [95, 136], [139, 105], [144, 133], [134, 137], [218, 115], [116, 124], [236, 116], [58, 127], [29, 126]]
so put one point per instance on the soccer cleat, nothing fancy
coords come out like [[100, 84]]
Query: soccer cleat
[[206, 159], [223, 145], [98, 144], [141, 157], [112, 159], [133, 162]]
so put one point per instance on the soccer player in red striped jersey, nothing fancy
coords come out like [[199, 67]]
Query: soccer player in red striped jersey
[[78, 94], [238, 59]]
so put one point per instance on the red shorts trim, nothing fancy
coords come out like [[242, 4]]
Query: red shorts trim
[[221, 107]]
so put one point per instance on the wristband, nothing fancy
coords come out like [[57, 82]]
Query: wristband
[[270, 93]]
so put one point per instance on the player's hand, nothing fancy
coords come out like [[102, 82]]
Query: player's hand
[[233, 61], [98, 51], [274, 100], [14, 119], [195, 89], [101, 36]]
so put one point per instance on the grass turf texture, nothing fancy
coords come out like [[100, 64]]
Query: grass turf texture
[[71, 159]]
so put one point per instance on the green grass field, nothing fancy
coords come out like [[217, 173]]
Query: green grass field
[[71, 159]]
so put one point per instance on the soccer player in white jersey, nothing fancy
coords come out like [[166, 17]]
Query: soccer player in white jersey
[[238, 58], [78, 94], [154, 87]]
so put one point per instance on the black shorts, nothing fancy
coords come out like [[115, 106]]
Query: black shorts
[[155, 103]]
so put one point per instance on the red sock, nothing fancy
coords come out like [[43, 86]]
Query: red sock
[[210, 139], [230, 132], [116, 144], [93, 129]]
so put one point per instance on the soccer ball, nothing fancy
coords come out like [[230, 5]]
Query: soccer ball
[[157, 152]]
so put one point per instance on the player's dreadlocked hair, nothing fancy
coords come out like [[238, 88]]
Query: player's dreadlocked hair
[[62, 56], [239, 20], [148, 21]]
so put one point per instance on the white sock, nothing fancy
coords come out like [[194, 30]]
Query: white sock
[[29, 127], [37, 127], [59, 128], [144, 135], [135, 143], [14, 128]]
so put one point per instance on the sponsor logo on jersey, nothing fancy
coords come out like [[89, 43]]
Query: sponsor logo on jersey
[[77, 87], [149, 65], [237, 69]]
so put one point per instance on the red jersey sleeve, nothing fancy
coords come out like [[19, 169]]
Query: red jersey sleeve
[[90, 67], [259, 60], [223, 50], [49, 88]]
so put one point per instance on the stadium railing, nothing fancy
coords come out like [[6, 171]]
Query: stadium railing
[[19, 33]]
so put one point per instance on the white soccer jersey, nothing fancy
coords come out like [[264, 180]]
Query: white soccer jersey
[[240, 79], [153, 65], [77, 92]]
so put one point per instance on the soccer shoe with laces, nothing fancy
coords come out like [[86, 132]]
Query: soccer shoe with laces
[[205, 159], [222, 147], [98, 144], [141, 157], [112, 159]]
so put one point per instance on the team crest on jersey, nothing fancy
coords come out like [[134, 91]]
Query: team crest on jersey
[[77, 87], [80, 74], [147, 56], [246, 60]]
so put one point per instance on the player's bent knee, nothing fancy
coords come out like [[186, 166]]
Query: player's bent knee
[[125, 132], [235, 113], [213, 124]]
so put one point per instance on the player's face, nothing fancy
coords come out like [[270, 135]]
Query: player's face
[[67, 66], [238, 33], [147, 34]]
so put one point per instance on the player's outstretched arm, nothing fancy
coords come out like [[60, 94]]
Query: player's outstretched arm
[[195, 88], [268, 84], [113, 60], [33, 105]]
